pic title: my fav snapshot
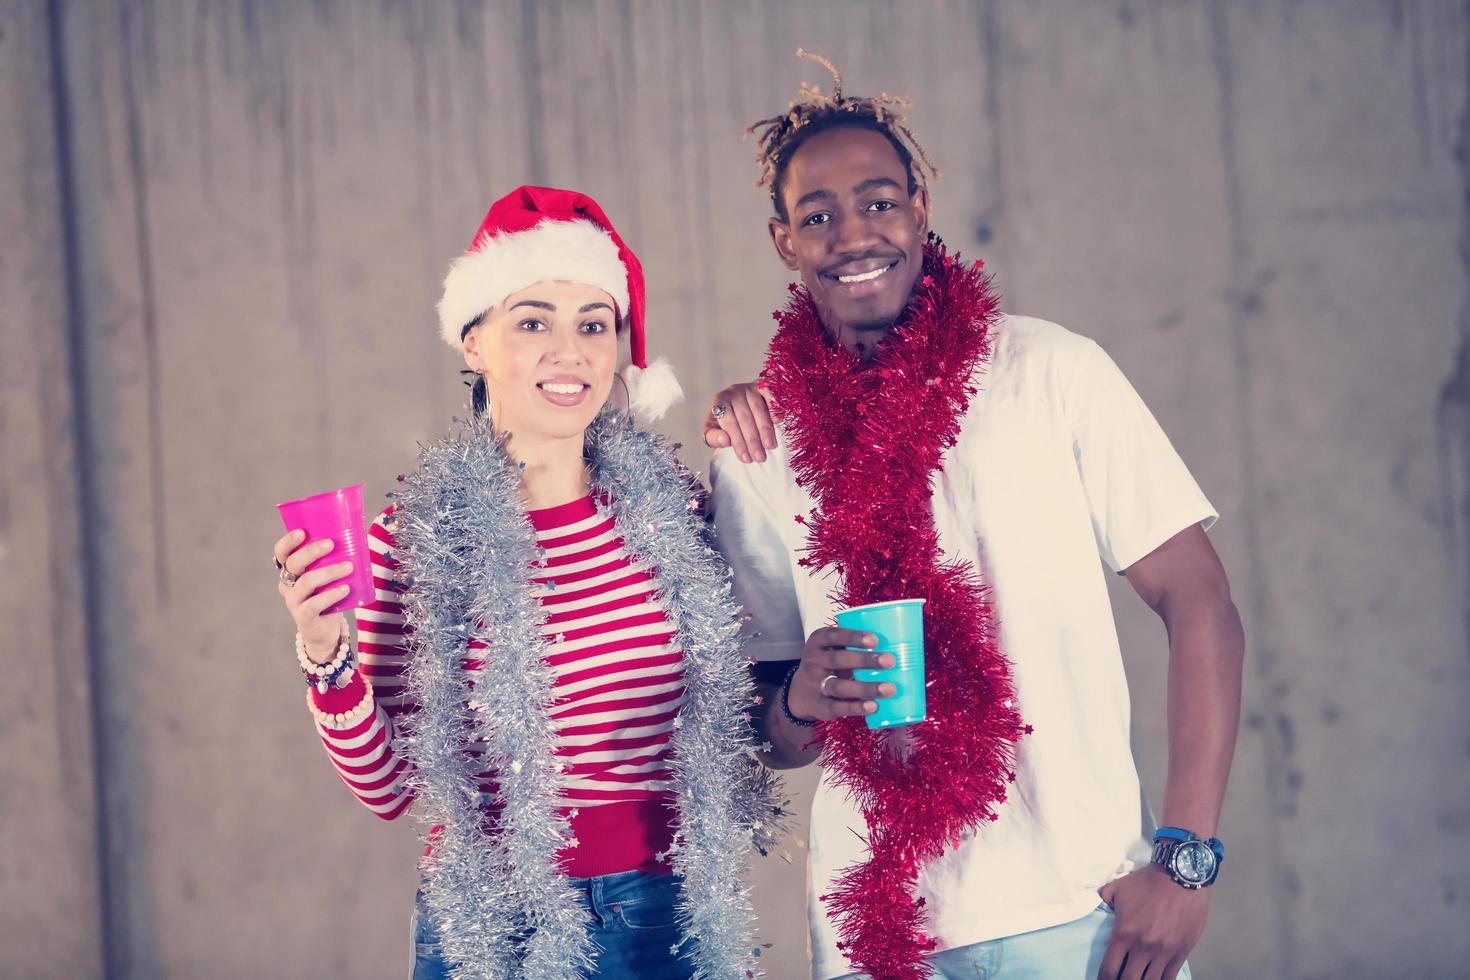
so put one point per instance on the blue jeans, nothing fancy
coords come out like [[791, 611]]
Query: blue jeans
[[632, 926], [1070, 951]]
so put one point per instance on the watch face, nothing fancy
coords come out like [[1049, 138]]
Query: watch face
[[1194, 862]]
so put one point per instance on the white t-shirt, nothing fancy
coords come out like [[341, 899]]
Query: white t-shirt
[[1058, 463]]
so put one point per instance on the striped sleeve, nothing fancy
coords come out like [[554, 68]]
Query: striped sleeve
[[362, 751]]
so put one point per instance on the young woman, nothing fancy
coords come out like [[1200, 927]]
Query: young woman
[[551, 673]]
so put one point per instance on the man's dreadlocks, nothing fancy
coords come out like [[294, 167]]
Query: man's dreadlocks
[[779, 137]]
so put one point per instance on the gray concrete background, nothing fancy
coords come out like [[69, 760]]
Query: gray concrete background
[[224, 225]]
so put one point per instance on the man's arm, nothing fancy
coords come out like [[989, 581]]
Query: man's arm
[[1158, 921], [1185, 584], [792, 746], [746, 533], [822, 688]]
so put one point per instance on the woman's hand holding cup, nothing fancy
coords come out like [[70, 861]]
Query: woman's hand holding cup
[[312, 592]]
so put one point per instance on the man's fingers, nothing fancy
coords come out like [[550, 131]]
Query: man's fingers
[[848, 708], [1113, 957], [1136, 966], [849, 660], [838, 637], [1172, 968], [857, 690]]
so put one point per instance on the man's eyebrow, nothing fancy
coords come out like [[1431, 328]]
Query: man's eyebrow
[[536, 303], [873, 183], [588, 308], [813, 196]]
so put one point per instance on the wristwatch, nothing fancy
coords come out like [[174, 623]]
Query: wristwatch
[[1191, 862]]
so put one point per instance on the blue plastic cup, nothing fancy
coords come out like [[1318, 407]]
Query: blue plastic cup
[[899, 627]]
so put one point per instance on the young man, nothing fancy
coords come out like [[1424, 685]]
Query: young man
[[1051, 464]]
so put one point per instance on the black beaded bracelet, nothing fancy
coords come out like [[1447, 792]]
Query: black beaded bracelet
[[786, 705]]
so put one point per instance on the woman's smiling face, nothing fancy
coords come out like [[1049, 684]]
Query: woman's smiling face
[[548, 354]]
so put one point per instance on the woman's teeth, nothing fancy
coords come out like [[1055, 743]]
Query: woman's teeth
[[865, 276], [561, 389]]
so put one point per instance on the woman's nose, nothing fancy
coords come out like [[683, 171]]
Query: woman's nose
[[565, 349]]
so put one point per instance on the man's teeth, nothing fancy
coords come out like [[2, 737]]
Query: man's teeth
[[864, 276], [561, 389]]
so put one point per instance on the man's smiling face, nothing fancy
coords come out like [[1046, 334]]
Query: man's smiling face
[[853, 231]]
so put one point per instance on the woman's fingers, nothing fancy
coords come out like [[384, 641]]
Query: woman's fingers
[[297, 561], [318, 578], [314, 606], [714, 436], [744, 423], [744, 433], [286, 543], [760, 411]]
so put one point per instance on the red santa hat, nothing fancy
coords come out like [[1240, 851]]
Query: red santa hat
[[541, 234]]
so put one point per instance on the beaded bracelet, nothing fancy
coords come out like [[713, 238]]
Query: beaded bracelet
[[345, 719], [786, 704], [336, 672]]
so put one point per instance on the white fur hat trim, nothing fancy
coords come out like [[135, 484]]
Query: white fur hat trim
[[496, 266]]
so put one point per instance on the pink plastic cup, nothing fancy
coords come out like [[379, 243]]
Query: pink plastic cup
[[336, 514]]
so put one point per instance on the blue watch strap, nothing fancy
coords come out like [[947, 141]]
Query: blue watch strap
[[1173, 833]]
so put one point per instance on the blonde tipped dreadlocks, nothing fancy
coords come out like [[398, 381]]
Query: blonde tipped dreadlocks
[[779, 137]]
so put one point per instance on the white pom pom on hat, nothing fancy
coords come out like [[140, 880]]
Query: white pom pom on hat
[[540, 234]]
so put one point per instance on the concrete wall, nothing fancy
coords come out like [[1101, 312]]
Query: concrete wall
[[224, 226]]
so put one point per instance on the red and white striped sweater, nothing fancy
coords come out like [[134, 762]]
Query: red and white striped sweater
[[619, 685]]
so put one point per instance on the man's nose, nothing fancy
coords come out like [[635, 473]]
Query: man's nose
[[854, 235]]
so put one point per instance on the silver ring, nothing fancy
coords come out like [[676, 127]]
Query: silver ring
[[823, 687], [287, 579], [718, 411]]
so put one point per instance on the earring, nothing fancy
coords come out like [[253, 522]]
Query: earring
[[479, 397]]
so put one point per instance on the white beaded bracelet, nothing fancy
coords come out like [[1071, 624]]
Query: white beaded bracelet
[[344, 719], [336, 672]]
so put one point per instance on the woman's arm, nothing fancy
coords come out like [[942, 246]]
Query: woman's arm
[[356, 722]]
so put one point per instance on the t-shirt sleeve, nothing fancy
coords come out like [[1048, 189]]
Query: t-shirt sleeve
[[746, 534], [1139, 491]]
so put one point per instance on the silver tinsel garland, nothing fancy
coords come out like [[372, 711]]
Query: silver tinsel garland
[[496, 893]]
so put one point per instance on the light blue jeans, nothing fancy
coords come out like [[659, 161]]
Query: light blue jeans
[[632, 926], [1070, 951]]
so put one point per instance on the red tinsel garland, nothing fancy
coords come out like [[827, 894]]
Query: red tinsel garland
[[866, 441]]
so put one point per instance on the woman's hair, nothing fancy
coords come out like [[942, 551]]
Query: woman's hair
[[479, 400], [779, 137]]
